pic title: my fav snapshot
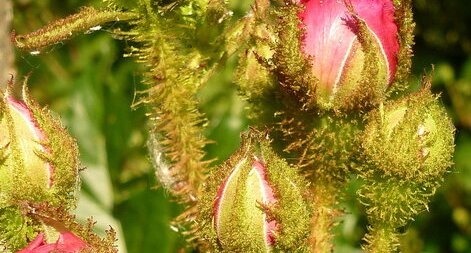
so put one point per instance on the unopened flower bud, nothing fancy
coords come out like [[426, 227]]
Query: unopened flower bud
[[348, 52], [407, 147], [39, 159], [411, 138], [257, 191], [38, 164], [254, 202]]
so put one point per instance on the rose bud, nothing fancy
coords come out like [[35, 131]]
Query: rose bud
[[66, 242], [411, 138], [254, 202], [407, 148], [333, 42], [38, 164], [257, 190], [39, 158], [350, 47]]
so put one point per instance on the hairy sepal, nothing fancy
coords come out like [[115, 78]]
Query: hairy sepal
[[40, 159], [228, 217], [39, 163]]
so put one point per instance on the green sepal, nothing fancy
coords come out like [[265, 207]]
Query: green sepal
[[16, 229], [63, 154], [39, 164], [37, 169], [365, 86], [256, 82], [87, 19], [404, 19], [290, 210], [412, 138], [293, 69]]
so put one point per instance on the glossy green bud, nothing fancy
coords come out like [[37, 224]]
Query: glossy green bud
[[254, 203]]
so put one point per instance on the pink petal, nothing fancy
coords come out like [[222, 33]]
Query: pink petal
[[44, 249], [326, 39], [268, 198], [329, 35], [38, 241], [379, 16], [27, 115], [68, 242]]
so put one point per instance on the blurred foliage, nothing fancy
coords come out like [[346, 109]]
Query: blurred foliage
[[91, 86]]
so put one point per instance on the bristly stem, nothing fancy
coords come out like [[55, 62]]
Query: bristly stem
[[86, 19], [323, 217], [381, 239]]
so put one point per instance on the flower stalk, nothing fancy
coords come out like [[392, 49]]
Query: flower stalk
[[88, 19], [382, 240], [324, 214]]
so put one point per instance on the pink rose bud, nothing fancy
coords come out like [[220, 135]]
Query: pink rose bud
[[39, 160], [67, 242], [25, 126], [332, 39], [254, 202], [258, 190], [38, 164]]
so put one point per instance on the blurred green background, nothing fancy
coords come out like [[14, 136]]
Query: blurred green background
[[91, 86]]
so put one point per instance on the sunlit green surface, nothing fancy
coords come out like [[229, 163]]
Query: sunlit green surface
[[90, 85]]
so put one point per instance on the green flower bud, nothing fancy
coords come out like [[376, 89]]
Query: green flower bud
[[254, 203], [411, 138], [407, 147]]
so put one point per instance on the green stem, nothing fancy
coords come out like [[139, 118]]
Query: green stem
[[63, 29], [323, 217], [381, 239]]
